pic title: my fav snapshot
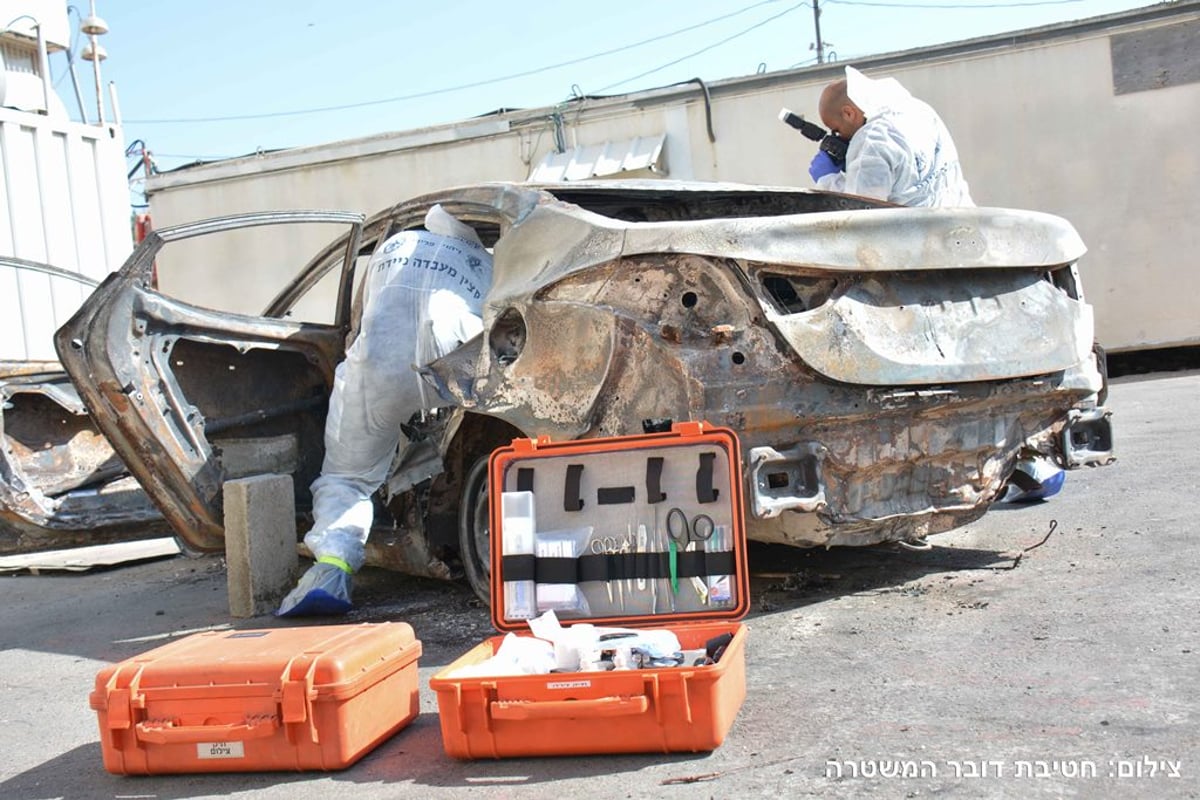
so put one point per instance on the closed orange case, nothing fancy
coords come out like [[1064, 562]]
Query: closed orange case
[[308, 698], [609, 498]]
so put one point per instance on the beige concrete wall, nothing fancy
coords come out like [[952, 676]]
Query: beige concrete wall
[[1038, 125], [1041, 128], [241, 272]]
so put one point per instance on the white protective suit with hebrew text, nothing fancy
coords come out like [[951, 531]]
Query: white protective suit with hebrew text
[[423, 297], [903, 153]]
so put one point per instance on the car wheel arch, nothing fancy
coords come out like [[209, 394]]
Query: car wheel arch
[[466, 458]]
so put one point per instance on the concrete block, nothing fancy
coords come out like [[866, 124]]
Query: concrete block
[[260, 542]]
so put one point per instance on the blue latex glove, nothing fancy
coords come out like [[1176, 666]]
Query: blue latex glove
[[821, 165], [324, 589]]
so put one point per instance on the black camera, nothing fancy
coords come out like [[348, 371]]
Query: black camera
[[831, 143]]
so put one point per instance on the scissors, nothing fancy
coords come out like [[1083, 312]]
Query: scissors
[[610, 545], [681, 533], [685, 533]]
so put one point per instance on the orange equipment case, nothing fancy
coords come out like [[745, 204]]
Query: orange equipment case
[[620, 562], [308, 698]]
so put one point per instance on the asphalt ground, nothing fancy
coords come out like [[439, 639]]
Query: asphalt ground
[[1046, 650]]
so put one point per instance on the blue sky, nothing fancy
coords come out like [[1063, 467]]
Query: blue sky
[[179, 66]]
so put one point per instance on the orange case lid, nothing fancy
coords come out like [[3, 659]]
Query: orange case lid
[[596, 484], [330, 661]]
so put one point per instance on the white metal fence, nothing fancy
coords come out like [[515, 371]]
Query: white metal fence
[[64, 201]]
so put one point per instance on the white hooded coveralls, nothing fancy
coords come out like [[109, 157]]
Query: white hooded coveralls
[[422, 299], [903, 153]]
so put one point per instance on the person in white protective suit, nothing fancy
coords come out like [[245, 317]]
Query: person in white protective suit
[[423, 297], [900, 150]]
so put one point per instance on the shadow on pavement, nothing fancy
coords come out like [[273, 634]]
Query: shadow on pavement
[[115, 613], [414, 755], [784, 578], [80, 773]]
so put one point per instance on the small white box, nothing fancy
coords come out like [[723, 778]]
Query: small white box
[[518, 524]]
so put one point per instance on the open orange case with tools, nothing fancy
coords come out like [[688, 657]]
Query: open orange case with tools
[[638, 532], [308, 698]]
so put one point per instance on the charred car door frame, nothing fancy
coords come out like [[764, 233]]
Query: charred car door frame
[[163, 434]]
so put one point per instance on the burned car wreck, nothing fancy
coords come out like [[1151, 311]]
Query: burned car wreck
[[61, 484], [884, 367]]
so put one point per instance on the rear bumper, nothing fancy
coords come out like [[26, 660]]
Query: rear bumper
[[906, 473]]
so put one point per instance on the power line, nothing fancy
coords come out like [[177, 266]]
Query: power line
[[447, 90], [705, 49], [839, 2], [953, 5]]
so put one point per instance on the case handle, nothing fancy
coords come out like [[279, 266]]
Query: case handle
[[556, 709], [235, 731]]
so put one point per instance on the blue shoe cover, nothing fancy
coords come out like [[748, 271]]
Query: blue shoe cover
[[322, 591], [1050, 487], [1034, 479]]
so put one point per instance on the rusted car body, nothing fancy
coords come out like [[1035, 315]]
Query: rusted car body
[[61, 484], [884, 367]]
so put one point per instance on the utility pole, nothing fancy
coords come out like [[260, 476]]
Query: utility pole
[[96, 59], [817, 24]]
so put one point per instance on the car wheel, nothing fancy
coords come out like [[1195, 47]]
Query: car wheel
[[473, 538]]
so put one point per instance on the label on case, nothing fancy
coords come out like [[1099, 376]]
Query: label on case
[[568, 685], [206, 750]]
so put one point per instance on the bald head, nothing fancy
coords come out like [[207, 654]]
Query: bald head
[[839, 113]]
